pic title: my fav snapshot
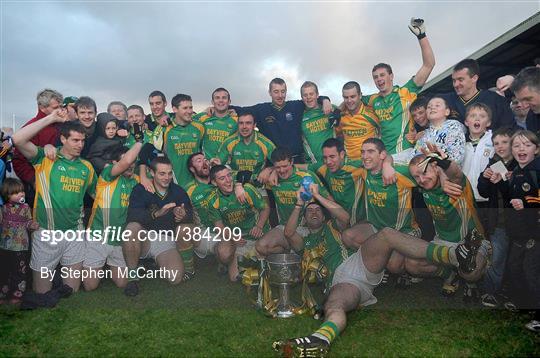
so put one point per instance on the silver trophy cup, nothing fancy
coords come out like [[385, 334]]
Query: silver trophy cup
[[284, 271]]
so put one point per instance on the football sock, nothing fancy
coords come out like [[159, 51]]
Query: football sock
[[187, 258], [440, 254], [327, 332]]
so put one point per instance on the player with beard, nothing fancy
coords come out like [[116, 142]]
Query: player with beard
[[201, 193], [356, 276]]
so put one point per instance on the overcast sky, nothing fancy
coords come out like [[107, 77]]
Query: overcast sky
[[113, 50]]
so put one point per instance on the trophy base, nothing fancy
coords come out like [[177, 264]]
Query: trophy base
[[284, 312]]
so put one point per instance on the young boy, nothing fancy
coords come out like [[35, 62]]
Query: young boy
[[478, 151], [418, 110], [489, 185], [447, 134]]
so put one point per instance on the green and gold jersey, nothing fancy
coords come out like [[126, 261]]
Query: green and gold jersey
[[316, 128], [346, 186], [285, 192], [356, 128], [334, 250], [60, 188], [201, 194], [391, 205], [453, 217], [179, 143], [241, 156], [216, 130], [111, 202], [394, 115], [233, 214]]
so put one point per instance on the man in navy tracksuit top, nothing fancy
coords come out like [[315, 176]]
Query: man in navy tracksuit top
[[280, 121]]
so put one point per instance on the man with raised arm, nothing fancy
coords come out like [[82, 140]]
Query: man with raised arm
[[392, 102], [58, 206]]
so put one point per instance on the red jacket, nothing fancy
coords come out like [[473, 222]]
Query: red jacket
[[48, 135]]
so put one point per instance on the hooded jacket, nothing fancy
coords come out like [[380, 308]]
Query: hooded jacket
[[102, 145]]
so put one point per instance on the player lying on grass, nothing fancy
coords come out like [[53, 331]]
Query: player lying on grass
[[356, 278]]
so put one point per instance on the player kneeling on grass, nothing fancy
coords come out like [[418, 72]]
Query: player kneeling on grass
[[229, 215], [356, 278], [454, 218], [167, 209], [113, 189]]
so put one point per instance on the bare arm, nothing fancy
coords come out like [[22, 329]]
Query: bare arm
[[418, 28], [341, 215], [454, 173], [428, 62], [129, 158], [293, 238]]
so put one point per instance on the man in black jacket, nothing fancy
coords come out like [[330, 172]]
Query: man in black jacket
[[158, 225]]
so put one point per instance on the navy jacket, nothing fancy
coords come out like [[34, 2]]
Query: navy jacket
[[500, 108], [143, 205]]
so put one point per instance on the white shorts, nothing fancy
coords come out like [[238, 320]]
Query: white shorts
[[263, 192], [97, 254], [158, 247], [354, 272], [300, 230], [207, 245], [48, 253]]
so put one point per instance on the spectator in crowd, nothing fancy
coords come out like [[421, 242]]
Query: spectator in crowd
[[520, 113], [491, 185], [465, 77], [118, 109], [16, 221], [47, 101], [108, 138], [447, 134]]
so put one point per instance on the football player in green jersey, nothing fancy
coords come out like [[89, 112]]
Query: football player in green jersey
[[454, 217], [113, 189], [158, 116], [181, 139], [218, 126], [60, 188], [246, 151], [344, 177], [392, 103], [289, 181], [320, 230], [316, 125], [354, 281], [228, 212], [201, 193]]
